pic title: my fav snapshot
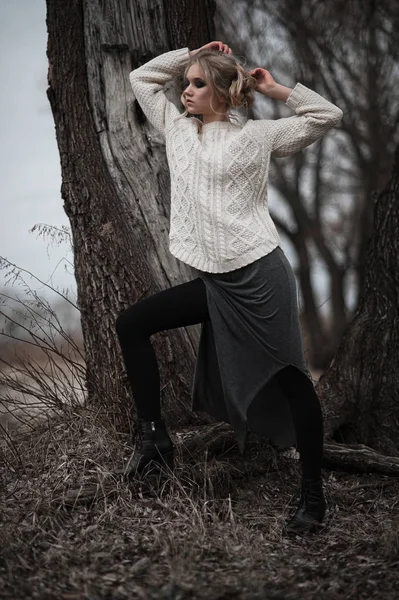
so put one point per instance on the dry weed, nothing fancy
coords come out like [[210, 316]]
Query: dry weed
[[72, 528]]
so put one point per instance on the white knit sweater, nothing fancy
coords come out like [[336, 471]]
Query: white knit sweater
[[219, 219]]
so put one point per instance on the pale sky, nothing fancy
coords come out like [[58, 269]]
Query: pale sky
[[30, 176], [30, 173]]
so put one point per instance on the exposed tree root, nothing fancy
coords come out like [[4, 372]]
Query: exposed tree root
[[359, 458], [218, 440]]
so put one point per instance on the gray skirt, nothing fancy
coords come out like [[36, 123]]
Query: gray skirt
[[253, 333]]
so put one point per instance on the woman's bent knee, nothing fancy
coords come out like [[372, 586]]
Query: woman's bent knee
[[124, 321], [132, 322], [120, 323]]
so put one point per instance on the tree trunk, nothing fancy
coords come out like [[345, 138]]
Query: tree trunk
[[115, 181], [314, 327], [360, 390]]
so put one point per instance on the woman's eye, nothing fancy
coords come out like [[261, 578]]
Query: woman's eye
[[197, 84]]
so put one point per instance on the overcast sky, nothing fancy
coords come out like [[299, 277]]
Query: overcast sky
[[30, 177]]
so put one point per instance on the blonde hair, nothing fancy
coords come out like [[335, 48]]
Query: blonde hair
[[226, 76]]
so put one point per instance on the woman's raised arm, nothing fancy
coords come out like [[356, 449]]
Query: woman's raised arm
[[314, 115], [148, 82]]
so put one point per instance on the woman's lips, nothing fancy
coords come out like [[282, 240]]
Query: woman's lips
[[189, 102]]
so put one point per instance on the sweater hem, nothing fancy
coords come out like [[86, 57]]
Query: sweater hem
[[209, 266]]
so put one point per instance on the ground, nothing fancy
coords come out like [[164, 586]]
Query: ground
[[73, 529]]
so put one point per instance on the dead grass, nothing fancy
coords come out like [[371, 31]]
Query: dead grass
[[71, 528]]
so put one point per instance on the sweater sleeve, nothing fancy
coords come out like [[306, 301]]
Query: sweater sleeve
[[147, 83], [314, 117]]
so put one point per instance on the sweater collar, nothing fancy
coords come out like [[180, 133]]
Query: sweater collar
[[215, 125]]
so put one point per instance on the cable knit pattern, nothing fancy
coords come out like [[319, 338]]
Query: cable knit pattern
[[219, 218]]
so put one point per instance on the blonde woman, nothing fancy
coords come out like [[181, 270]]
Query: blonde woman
[[250, 370]]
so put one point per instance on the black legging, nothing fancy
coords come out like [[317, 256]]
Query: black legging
[[186, 304]]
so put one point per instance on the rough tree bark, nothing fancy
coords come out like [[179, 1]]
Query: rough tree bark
[[115, 180], [360, 390]]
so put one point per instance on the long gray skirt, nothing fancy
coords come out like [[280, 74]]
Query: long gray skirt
[[253, 333]]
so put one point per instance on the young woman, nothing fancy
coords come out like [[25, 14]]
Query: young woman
[[250, 369]]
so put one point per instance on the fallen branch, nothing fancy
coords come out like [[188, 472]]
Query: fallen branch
[[218, 440], [359, 458]]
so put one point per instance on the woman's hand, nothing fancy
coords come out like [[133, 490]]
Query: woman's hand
[[265, 82], [213, 46]]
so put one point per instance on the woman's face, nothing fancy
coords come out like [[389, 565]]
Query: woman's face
[[199, 93]]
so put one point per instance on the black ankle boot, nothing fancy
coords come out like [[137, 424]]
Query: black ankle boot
[[311, 509], [153, 447]]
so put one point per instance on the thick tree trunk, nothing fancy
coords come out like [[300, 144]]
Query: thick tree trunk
[[360, 390], [115, 180]]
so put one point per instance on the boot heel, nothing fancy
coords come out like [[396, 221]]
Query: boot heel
[[153, 449]]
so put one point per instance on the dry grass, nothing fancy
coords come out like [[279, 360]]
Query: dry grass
[[71, 528]]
